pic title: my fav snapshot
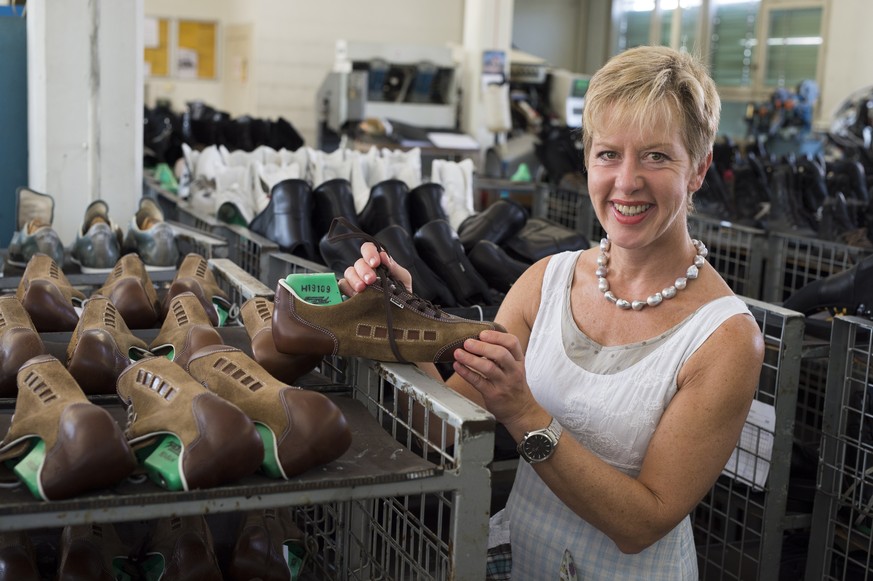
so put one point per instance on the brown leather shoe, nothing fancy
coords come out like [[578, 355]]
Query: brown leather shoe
[[87, 552], [257, 316], [131, 290], [304, 428], [186, 548], [48, 296], [219, 442], [84, 447], [101, 347], [17, 557], [195, 276], [186, 329], [19, 341], [383, 323], [259, 551]]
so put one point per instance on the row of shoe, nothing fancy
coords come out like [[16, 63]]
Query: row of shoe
[[269, 546], [226, 413], [805, 195], [100, 241], [201, 125], [54, 304], [236, 185], [472, 263]]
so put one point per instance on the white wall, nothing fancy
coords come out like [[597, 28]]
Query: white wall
[[295, 42], [849, 46], [288, 48], [180, 91]]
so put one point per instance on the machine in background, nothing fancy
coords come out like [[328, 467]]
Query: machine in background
[[413, 85]]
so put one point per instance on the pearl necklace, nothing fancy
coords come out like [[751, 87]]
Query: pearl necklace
[[655, 299]]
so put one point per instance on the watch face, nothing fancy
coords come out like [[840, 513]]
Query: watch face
[[538, 447]]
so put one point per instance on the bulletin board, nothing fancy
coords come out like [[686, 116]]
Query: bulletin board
[[195, 52], [157, 47]]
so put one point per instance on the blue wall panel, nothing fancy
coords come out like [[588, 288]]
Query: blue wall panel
[[13, 116]]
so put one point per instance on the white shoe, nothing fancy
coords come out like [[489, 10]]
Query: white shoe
[[233, 196], [457, 180], [404, 165]]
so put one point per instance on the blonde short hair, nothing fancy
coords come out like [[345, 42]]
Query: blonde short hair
[[647, 82]]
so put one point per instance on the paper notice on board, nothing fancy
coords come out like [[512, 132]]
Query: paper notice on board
[[186, 63], [750, 461]]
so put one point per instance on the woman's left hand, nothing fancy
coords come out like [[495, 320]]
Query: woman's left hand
[[494, 365]]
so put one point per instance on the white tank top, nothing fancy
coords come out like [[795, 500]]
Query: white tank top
[[611, 400]]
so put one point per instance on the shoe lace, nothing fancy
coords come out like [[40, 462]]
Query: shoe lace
[[393, 290]]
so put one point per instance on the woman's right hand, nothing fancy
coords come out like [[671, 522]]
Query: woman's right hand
[[363, 272]]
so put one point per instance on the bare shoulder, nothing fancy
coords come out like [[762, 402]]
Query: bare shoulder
[[733, 353]]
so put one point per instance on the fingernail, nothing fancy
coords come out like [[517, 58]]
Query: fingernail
[[372, 262]]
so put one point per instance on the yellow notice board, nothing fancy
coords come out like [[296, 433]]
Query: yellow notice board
[[196, 49], [157, 47]]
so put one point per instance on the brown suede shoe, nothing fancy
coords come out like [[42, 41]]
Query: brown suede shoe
[[17, 557], [259, 551], [185, 546], [87, 552], [19, 341], [257, 316], [84, 447], [101, 347], [195, 276], [304, 428], [383, 323], [219, 442], [186, 329], [131, 290], [48, 296]]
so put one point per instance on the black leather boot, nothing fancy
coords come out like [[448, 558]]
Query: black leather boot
[[542, 237], [287, 219], [332, 198], [438, 244], [425, 282], [496, 266], [498, 222], [388, 205], [426, 204], [850, 291]]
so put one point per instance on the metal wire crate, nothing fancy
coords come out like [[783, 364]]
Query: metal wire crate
[[841, 543], [736, 252], [569, 207], [739, 524], [439, 530], [795, 261], [194, 241], [246, 248]]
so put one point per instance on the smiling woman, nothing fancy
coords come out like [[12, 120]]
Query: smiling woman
[[636, 402]]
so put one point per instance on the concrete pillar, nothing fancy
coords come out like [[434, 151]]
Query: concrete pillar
[[85, 106], [487, 26]]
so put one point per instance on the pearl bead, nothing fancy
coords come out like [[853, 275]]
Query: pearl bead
[[653, 300]]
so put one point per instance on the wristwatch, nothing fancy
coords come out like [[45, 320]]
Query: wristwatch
[[539, 445]]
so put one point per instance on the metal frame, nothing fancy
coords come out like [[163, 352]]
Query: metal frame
[[795, 261], [736, 252], [841, 544], [738, 529]]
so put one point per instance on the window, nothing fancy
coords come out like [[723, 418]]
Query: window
[[733, 42], [793, 44]]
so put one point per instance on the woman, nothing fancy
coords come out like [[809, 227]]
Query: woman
[[635, 354]]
